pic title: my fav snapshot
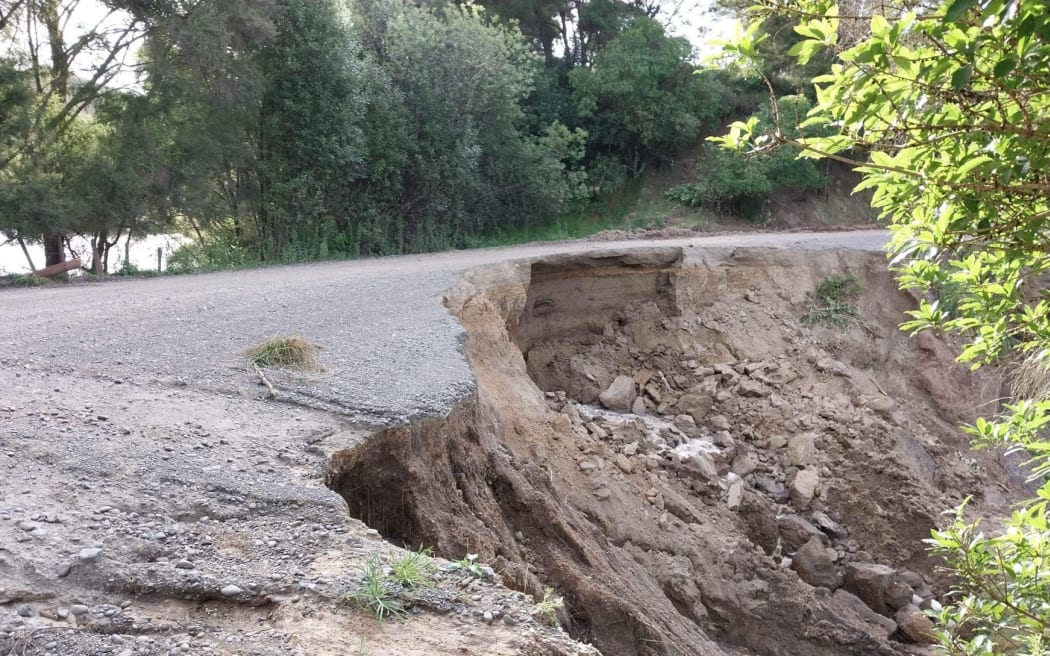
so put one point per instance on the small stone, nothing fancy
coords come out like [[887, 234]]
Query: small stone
[[25, 610], [79, 609], [184, 564], [638, 407], [62, 613], [869, 581], [509, 620], [602, 493], [231, 590], [829, 526], [64, 568], [488, 617], [89, 554], [624, 463]]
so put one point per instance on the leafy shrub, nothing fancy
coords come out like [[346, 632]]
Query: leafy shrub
[[217, 253], [735, 183]]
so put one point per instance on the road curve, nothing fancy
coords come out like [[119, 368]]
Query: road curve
[[391, 351]]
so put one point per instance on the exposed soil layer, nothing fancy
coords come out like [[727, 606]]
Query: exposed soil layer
[[753, 485]]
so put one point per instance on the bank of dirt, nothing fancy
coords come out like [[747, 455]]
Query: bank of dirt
[[756, 485]]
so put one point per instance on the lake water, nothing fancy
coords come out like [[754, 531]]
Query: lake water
[[143, 253]]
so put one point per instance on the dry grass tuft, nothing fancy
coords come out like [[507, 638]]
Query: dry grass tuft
[[1031, 379], [293, 352]]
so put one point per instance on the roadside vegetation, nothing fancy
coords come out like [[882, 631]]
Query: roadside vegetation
[[964, 181], [833, 302], [281, 131]]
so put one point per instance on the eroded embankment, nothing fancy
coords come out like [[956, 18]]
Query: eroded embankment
[[752, 484]]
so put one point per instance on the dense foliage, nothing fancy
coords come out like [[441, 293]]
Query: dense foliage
[[949, 106], [740, 183], [298, 129]]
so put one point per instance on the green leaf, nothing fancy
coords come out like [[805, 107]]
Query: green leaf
[[961, 77], [957, 8], [1004, 67]]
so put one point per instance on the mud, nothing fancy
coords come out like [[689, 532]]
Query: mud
[[754, 453]]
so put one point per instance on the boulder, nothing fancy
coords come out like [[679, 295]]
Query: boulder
[[638, 407], [803, 488], [753, 389], [870, 582], [829, 526], [796, 531], [898, 594], [815, 566], [916, 625], [620, 395], [846, 603], [696, 405], [802, 450], [743, 464], [735, 495]]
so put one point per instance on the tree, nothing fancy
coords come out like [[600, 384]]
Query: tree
[[951, 105], [640, 100], [35, 29], [312, 147]]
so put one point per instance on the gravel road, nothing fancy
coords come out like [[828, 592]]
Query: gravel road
[[391, 351]]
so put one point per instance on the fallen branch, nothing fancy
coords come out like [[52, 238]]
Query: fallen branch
[[56, 269], [272, 392]]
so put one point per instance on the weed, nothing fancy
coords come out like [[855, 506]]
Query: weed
[[548, 607], [28, 280], [374, 594], [832, 302], [292, 351], [470, 565], [414, 569]]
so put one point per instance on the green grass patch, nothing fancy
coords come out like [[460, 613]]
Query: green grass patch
[[415, 569], [375, 593]]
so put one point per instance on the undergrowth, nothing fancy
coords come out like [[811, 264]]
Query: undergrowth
[[832, 303], [414, 569], [548, 607], [375, 593]]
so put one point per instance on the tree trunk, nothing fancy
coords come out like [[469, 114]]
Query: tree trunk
[[25, 251], [54, 251]]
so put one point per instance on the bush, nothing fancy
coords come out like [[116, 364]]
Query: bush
[[832, 302], [740, 184]]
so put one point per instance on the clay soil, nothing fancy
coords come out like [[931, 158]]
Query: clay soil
[[765, 488]]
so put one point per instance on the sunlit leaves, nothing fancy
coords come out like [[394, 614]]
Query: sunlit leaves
[[948, 113]]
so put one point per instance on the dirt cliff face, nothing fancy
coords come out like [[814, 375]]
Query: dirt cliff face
[[658, 437]]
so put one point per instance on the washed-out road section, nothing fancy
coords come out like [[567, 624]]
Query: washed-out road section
[[152, 501]]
